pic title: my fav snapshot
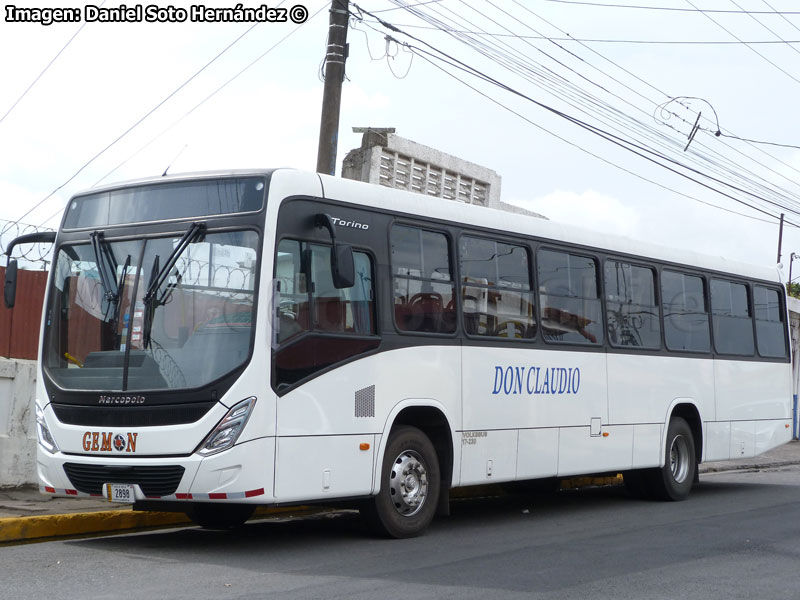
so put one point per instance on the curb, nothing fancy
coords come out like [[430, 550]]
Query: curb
[[42, 527], [723, 467], [19, 529]]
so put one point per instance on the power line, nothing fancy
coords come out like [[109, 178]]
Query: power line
[[603, 40], [605, 160], [733, 35], [675, 9], [664, 94], [734, 170], [137, 123], [644, 152], [781, 15], [736, 137], [39, 76], [207, 98], [757, 20], [401, 7]]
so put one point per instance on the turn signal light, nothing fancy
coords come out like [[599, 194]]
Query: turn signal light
[[363, 446], [605, 434]]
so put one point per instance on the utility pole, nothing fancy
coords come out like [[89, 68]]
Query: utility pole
[[780, 238], [335, 57]]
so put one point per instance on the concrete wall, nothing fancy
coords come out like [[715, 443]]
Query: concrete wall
[[17, 422]]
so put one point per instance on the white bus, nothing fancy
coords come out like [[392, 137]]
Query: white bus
[[215, 342]]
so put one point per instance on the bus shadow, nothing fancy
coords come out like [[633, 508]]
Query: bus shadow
[[340, 527]]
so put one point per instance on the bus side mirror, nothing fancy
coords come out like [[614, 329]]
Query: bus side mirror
[[342, 266], [10, 284], [343, 269]]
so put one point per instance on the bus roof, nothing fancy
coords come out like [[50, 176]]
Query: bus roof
[[411, 203], [479, 216]]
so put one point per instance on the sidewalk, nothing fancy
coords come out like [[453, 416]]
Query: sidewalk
[[25, 514]]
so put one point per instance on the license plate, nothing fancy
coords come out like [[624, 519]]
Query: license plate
[[120, 492]]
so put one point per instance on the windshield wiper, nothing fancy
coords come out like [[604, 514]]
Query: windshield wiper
[[159, 275], [120, 285], [105, 262]]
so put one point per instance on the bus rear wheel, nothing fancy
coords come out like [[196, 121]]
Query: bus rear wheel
[[220, 516], [410, 486], [674, 480]]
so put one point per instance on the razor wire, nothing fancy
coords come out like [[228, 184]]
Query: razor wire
[[30, 256]]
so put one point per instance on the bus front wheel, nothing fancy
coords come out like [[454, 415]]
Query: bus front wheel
[[674, 480], [410, 485]]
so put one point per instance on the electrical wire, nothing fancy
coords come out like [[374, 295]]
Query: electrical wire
[[729, 32], [669, 8], [141, 119], [730, 170], [207, 98], [782, 15], [605, 160], [606, 40], [664, 94], [638, 149], [39, 76], [765, 26]]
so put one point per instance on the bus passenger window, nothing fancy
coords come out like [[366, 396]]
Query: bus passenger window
[[424, 298], [631, 306], [685, 312], [732, 319], [769, 323], [569, 298], [496, 289]]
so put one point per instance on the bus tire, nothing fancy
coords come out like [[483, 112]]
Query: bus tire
[[220, 516], [410, 486], [674, 480]]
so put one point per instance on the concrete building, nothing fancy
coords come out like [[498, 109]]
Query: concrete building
[[387, 159]]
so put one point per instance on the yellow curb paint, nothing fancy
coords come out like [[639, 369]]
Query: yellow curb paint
[[48, 526], [18, 529]]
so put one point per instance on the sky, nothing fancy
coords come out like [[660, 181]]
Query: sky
[[87, 118]]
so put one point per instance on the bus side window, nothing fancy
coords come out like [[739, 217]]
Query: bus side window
[[496, 289], [770, 335], [424, 294], [732, 318], [685, 312], [569, 298], [631, 306]]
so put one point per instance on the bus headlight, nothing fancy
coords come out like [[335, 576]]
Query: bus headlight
[[46, 440], [227, 431]]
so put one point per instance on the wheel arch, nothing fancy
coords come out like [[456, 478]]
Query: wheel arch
[[687, 409], [431, 418]]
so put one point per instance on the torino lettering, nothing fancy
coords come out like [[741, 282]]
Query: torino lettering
[[533, 381]]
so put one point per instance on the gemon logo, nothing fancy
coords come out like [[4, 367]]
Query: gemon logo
[[532, 381]]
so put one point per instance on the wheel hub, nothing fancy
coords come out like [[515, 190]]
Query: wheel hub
[[679, 459], [408, 483]]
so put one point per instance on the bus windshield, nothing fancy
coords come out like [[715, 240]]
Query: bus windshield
[[119, 321]]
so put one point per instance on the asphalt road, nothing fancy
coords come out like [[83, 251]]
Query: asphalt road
[[738, 536]]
